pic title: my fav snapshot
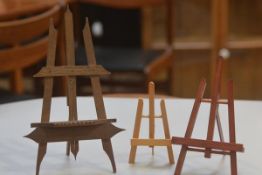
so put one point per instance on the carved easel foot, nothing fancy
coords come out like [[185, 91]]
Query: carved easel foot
[[74, 148], [40, 156], [107, 146]]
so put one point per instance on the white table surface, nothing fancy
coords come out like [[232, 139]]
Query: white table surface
[[18, 154]]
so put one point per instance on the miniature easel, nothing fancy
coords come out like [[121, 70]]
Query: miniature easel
[[209, 146], [151, 142], [73, 130]]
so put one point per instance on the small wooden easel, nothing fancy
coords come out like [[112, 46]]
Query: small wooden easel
[[209, 146], [73, 130], [151, 142]]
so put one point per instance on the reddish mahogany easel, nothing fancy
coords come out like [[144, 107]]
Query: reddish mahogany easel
[[152, 141], [209, 146], [73, 130]]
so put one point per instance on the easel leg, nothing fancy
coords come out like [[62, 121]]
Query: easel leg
[[181, 160], [190, 126], [166, 131], [151, 98], [232, 134], [40, 156], [170, 154], [233, 161], [107, 146], [137, 126], [132, 155]]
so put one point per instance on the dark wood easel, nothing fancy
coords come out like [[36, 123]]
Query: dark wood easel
[[209, 146], [151, 141], [73, 130]]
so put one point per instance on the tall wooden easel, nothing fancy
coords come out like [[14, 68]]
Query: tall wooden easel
[[73, 130], [209, 146], [151, 142]]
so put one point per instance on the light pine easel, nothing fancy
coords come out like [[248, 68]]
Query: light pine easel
[[151, 141]]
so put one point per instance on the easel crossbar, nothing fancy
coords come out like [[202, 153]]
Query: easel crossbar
[[220, 101], [212, 151], [208, 144], [151, 142], [60, 71], [160, 116], [76, 123]]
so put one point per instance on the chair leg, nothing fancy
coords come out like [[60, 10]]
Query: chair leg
[[17, 84]]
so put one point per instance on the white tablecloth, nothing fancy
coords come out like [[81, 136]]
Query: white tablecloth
[[18, 154]]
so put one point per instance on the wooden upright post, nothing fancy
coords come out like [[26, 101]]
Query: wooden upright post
[[48, 90]]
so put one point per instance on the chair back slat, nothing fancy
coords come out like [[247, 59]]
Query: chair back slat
[[23, 42], [22, 56], [126, 4], [23, 30]]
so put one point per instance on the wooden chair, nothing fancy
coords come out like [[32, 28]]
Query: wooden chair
[[23, 42], [142, 64]]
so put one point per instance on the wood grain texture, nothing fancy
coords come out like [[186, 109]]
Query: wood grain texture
[[72, 123], [72, 71]]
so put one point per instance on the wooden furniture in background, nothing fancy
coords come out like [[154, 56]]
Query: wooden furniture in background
[[14, 8], [11, 9], [24, 43], [209, 146], [152, 141], [138, 64], [73, 130], [203, 28]]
